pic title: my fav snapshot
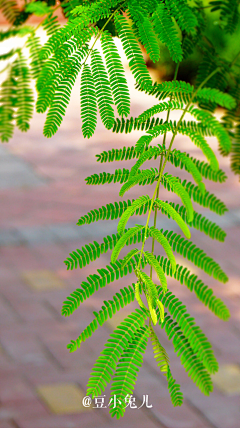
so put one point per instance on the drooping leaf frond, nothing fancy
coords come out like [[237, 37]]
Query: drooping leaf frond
[[190, 361], [199, 221], [197, 339], [119, 342], [116, 73], [156, 234], [127, 125], [130, 211], [202, 291], [24, 99], [166, 31], [88, 102], [145, 30], [133, 52], [126, 373], [119, 300], [122, 241], [128, 257], [34, 45], [9, 9], [172, 212], [190, 167], [216, 96], [175, 88], [209, 200], [229, 13], [147, 174], [159, 108], [163, 362], [106, 276], [74, 27], [195, 255], [60, 97], [151, 259], [7, 99], [177, 187], [183, 14], [217, 127], [103, 92]]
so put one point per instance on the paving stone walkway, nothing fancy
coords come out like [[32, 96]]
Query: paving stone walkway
[[43, 194]]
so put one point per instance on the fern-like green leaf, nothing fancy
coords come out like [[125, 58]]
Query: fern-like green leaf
[[127, 153], [133, 52], [195, 255], [166, 31], [209, 200], [119, 300], [7, 99], [181, 192], [74, 27], [158, 108], [106, 276], [161, 310], [156, 234], [103, 92], [191, 167], [138, 178], [122, 241], [148, 154], [152, 311], [217, 97], [88, 102], [183, 14], [163, 362], [125, 376], [117, 78], [9, 9], [216, 126], [145, 30], [197, 339], [202, 291], [137, 295], [190, 361], [128, 257], [34, 45], [139, 202], [174, 215], [150, 286], [106, 363], [24, 99], [199, 222]]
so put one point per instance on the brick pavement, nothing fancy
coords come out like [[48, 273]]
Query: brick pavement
[[43, 193]]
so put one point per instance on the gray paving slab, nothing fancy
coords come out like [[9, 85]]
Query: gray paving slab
[[36, 235], [15, 172]]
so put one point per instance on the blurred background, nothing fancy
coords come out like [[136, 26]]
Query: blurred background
[[43, 194]]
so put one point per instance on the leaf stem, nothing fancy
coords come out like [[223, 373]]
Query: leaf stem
[[167, 155], [160, 165]]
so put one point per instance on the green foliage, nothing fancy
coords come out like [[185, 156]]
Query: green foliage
[[179, 25], [106, 363], [229, 13], [177, 188], [163, 361], [132, 51], [167, 208], [24, 99], [103, 92], [164, 28], [117, 79], [9, 9]]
